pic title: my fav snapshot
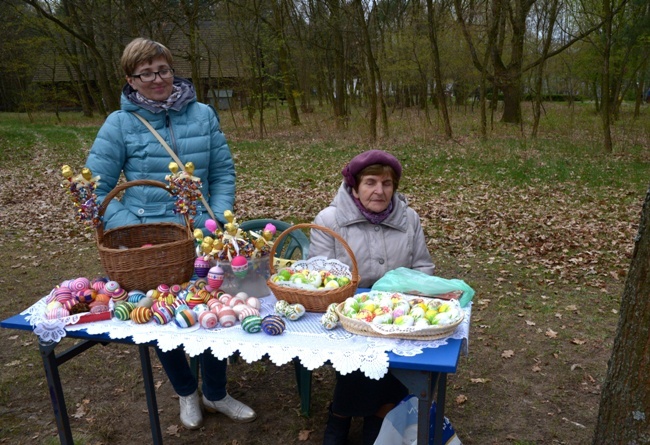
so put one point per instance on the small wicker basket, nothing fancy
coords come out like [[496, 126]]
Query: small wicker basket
[[314, 301], [169, 259]]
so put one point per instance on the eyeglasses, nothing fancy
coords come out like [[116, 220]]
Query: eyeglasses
[[150, 77]]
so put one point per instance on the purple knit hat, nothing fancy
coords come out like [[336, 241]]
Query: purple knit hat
[[370, 157]]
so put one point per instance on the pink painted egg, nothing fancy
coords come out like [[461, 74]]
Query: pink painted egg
[[239, 266], [80, 283], [227, 317], [246, 311], [208, 320], [215, 277], [57, 313], [225, 298]]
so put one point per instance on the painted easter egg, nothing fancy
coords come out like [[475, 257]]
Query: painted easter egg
[[214, 304], [254, 302], [141, 315], [244, 311], [162, 288], [280, 307], [208, 320], [273, 325], [175, 289], [98, 284], [185, 318], [62, 293], [200, 308], [111, 286], [329, 321], [227, 317], [123, 311], [225, 299], [57, 313], [87, 295], [80, 283], [162, 314], [239, 266], [99, 309], [201, 267], [236, 301], [145, 302], [215, 277], [252, 324], [135, 295], [120, 295]]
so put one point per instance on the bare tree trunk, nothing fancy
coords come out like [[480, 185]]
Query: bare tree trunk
[[437, 72], [624, 413], [605, 100], [537, 103], [371, 87]]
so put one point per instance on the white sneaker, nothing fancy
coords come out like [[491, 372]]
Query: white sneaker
[[232, 408], [191, 415]]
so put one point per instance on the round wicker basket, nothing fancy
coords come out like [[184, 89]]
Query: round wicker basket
[[362, 327], [314, 301], [169, 259]]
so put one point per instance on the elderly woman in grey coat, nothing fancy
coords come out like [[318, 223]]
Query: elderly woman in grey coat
[[384, 233]]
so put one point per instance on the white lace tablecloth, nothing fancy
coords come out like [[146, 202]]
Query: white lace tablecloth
[[304, 338]]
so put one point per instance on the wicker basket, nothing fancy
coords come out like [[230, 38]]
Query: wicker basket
[[170, 259], [362, 327], [314, 301]]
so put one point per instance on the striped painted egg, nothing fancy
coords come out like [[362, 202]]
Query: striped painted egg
[[245, 311], [120, 295], [294, 311], [123, 311], [57, 313], [111, 286], [252, 324], [162, 288], [62, 293], [98, 284], [227, 317], [273, 325], [175, 289], [141, 315], [201, 267], [214, 303], [162, 314], [208, 320], [135, 295], [80, 283], [185, 318]]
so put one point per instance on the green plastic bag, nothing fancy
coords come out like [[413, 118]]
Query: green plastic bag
[[414, 282]]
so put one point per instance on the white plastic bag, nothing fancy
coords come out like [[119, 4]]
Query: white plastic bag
[[400, 426]]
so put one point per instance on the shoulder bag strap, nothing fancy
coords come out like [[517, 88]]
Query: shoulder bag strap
[[175, 158]]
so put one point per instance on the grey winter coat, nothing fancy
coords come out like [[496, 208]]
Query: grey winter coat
[[398, 241]]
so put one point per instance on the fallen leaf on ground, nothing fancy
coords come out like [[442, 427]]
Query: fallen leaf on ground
[[577, 341], [172, 430], [536, 368], [508, 353], [461, 399], [530, 323], [550, 333], [304, 435], [480, 380]]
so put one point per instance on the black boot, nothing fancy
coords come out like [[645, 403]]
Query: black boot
[[371, 427], [336, 430]]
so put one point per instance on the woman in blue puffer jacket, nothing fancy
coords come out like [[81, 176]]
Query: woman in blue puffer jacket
[[125, 145]]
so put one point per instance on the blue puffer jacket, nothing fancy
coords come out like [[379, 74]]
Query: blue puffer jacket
[[124, 144]]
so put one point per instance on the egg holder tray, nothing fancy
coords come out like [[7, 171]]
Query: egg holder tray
[[362, 327], [313, 300], [168, 259]]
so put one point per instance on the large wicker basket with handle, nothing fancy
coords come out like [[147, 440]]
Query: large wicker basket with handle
[[316, 300], [168, 259]]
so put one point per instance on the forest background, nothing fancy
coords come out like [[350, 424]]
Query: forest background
[[524, 133]]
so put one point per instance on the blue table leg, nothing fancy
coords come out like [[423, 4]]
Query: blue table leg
[[150, 391], [51, 366], [422, 384]]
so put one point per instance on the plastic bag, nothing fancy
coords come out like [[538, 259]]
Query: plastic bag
[[414, 282], [400, 426]]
